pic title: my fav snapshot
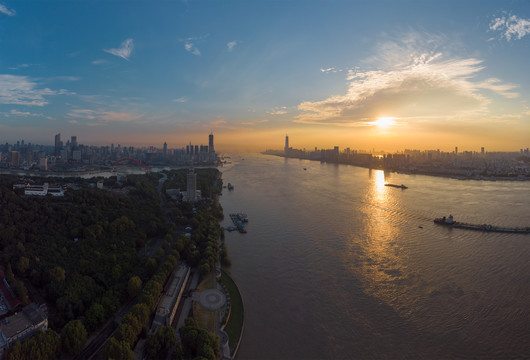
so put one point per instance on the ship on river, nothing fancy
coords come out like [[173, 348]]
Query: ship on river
[[238, 219], [449, 221]]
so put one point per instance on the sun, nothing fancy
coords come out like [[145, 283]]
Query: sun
[[384, 122]]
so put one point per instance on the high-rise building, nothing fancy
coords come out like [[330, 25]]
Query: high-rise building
[[165, 149], [15, 159], [286, 143], [456, 150], [58, 144], [43, 164], [210, 143], [73, 142], [482, 150], [191, 186]]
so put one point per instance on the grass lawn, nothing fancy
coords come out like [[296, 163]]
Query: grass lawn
[[234, 327], [203, 317]]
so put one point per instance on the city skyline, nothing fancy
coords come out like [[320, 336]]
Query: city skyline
[[387, 76]]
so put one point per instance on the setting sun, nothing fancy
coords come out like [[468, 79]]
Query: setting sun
[[384, 122]]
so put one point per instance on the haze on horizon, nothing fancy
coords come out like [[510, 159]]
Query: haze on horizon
[[366, 75]]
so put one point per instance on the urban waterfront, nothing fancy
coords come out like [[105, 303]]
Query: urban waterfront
[[337, 266]]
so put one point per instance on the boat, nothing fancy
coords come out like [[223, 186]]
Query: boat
[[238, 219], [449, 221], [230, 228], [397, 186], [230, 186]]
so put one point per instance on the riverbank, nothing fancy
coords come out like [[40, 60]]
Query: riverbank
[[444, 173], [235, 323]]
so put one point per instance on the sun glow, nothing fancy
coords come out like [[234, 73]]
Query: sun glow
[[384, 122]]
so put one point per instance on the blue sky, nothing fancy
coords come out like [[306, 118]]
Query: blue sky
[[442, 74]]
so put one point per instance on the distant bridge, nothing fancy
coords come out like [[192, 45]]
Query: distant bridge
[[133, 160]]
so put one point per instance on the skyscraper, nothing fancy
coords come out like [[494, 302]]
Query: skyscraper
[[286, 143], [210, 143], [165, 149], [73, 142], [58, 144]]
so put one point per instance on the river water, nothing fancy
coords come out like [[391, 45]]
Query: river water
[[337, 266]]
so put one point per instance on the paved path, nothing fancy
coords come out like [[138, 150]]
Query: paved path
[[212, 299]]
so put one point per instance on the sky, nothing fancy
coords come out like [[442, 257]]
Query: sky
[[383, 75]]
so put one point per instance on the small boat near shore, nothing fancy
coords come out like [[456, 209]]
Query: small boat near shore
[[480, 227], [238, 219], [397, 186]]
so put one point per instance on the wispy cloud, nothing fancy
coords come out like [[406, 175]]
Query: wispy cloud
[[181, 100], [511, 27], [429, 85], [21, 90], [124, 51], [100, 117], [5, 10], [328, 70], [98, 62], [66, 78], [254, 123], [279, 111], [231, 45], [26, 113], [21, 66], [190, 47]]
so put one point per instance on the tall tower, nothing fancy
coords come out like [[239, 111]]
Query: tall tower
[[165, 149], [286, 143], [58, 144], [73, 142], [191, 186], [210, 143]]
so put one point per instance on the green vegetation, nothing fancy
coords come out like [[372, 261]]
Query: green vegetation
[[158, 345], [196, 343], [90, 251], [234, 327], [44, 346], [78, 250], [73, 337]]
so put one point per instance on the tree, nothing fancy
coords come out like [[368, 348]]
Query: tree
[[73, 337], [135, 286], [20, 291], [117, 350], [22, 265], [58, 274], [159, 344], [95, 315]]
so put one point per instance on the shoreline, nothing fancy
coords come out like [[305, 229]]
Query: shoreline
[[454, 176]]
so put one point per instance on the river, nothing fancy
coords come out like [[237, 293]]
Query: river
[[335, 265]]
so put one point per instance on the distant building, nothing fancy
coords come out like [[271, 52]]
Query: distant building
[[210, 143], [73, 142], [58, 144], [286, 148], [43, 164], [76, 155], [43, 190], [22, 325], [15, 159]]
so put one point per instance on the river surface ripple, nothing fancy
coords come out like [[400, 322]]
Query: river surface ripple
[[337, 266]]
